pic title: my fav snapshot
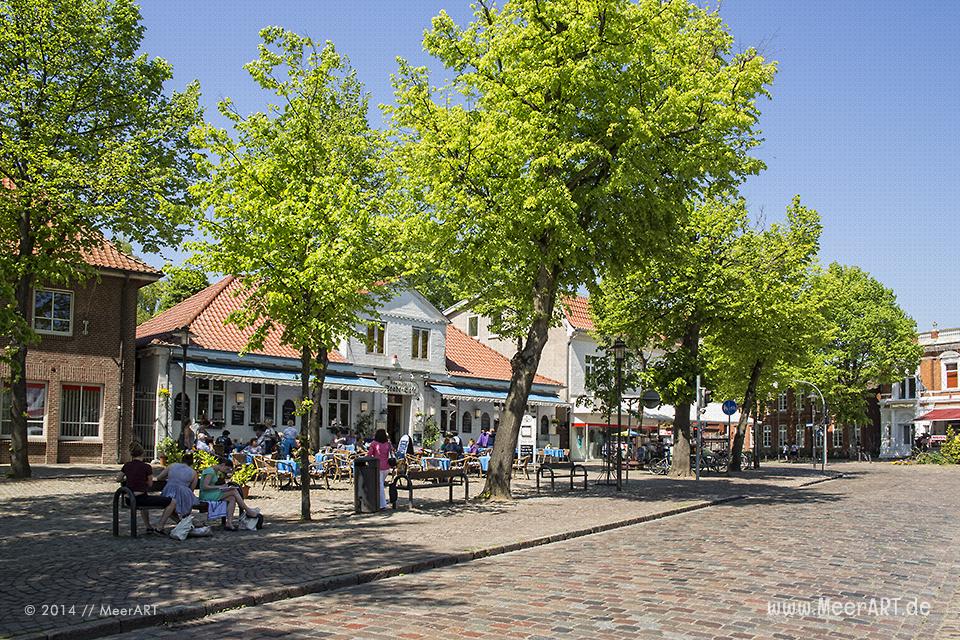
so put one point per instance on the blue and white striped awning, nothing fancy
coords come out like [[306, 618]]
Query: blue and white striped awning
[[490, 395], [242, 373]]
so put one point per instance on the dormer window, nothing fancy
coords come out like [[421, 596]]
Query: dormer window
[[53, 312], [420, 344]]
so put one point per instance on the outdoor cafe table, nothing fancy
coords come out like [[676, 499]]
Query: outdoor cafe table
[[442, 463], [290, 465], [484, 463], [553, 453]]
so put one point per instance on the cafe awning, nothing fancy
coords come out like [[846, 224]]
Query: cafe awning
[[241, 373], [490, 395], [939, 414]]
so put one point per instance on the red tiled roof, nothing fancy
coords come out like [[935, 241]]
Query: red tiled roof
[[468, 357], [577, 311], [206, 314], [107, 256]]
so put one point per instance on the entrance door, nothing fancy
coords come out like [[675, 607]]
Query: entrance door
[[395, 426]]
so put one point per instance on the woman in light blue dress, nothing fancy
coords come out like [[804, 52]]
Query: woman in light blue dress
[[181, 482]]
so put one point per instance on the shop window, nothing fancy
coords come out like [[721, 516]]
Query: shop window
[[338, 408], [263, 403], [36, 410], [210, 400], [80, 410]]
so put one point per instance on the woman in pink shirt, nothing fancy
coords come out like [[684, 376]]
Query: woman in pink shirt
[[381, 450]]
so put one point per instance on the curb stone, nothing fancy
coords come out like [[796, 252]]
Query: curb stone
[[184, 613]]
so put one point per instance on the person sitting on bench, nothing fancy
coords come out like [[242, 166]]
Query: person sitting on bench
[[139, 478], [222, 499], [181, 481]]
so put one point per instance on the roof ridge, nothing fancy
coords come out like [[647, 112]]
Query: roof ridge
[[129, 256]]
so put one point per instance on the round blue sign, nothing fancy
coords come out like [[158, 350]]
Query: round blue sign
[[729, 407]]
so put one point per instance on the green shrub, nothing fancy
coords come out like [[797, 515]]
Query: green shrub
[[169, 449], [933, 457], [203, 459], [244, 474], [950, 449]]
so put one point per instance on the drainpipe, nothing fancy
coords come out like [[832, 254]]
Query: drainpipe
[[124, 304]]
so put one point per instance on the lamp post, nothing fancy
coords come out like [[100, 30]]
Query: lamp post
[[619, 349], [183, 337]]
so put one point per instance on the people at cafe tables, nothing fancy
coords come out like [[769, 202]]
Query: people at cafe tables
[[473, 447], [253, 448], [492, 438], [289, 441], [452, 446], [268, 437], [204, 425], [204, 443], [138, 476], [225, 441], [484, 440]]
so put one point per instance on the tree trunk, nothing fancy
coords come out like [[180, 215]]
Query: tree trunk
[[680, 464], [749, 399], [19, 460], [319, 377], [523, 369], [306, 359]]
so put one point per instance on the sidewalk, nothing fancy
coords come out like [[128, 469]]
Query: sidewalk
[[58, 548]]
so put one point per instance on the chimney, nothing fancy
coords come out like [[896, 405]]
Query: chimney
[[934, 332]]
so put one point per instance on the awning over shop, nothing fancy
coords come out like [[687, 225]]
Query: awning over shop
[[490, 395], [940, 414], [239, 373]]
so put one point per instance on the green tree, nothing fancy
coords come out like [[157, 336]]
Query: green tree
[[179, 284], [870, 341], [671, 299], [570, 134], [90, 145], [770, 318], [299, 211]]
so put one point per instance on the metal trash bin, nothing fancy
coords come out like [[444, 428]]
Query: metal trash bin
[[366, 477]]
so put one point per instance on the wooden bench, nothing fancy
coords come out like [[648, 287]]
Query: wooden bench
[[570, 470], [418, 479], [125, 498]]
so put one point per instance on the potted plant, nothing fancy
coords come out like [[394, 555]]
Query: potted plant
[[242, 476], [168, 451]]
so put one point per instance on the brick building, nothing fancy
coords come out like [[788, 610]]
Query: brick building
[[791, 419], [80, 375]]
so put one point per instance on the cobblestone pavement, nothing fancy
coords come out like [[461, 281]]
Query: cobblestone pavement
[[57, 548], [720, 573]]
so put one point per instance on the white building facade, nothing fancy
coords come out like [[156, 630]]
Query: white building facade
[[405, 369]]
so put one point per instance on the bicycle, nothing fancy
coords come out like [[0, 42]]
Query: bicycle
[[660, 467]]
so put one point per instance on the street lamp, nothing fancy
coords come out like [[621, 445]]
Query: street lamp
[[183, 337], [619, 350]]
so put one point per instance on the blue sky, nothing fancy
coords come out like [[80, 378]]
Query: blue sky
[[863, 122]]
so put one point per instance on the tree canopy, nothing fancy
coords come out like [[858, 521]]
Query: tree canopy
[[300, 210], [570, 134], [90, 146]]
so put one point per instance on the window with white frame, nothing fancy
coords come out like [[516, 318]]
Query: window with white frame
[[338, 408], [589, 363], [948, 370], [36, 409], [376, 337], [766, 435], [782, 435], [837, 436], [907, 434], [473, 326], [53, 311], [263, 402], [210, 400], [782, 402], [80, 411], [800, 436], [420, 344]]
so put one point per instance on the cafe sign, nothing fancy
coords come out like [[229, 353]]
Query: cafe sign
[[401, 387]]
